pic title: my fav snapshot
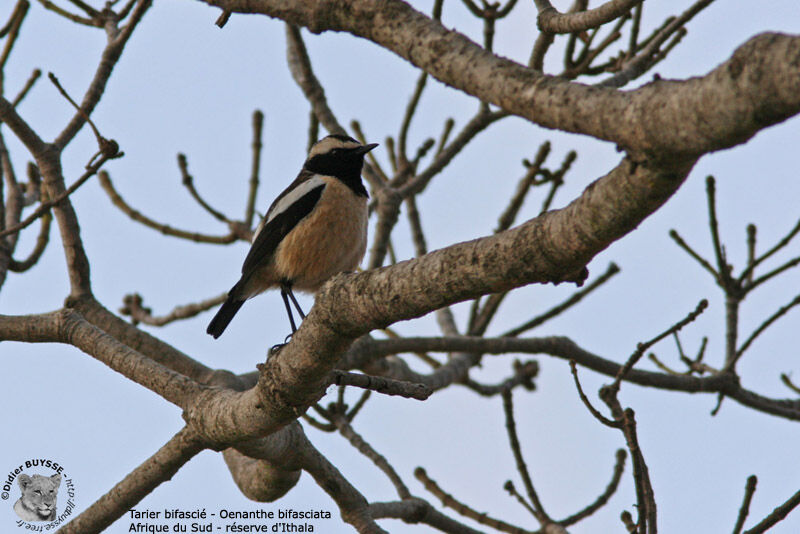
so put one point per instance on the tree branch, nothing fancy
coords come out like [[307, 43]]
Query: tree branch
[[662, 119]]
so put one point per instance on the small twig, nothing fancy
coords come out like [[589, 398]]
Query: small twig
[[787, 381], [602, 499], [702, 261], [45, 206], [41, 244], [47, 4], [445, 135], [223, 18], [126, 9], [524, 373], [27, 87], [557, 180], [255, 167], [576, 297], [319, 425], [634, 36], [748, 272], [627, 520], [642, 347], [771, 319], [451, 502], [411, 109], [362, 400], [664, 367], [86, 8], [357, 441], [722, 263], [11, 29], [509, 215], [539, 511], [132, 306], [108, 147], [19, 12], [650, 48], [645, 496], [594, 411], [509, 487], [777, 515], [386, 386], [188, 181], [794, 262], [744, 509], [119, 202], [300, 67]]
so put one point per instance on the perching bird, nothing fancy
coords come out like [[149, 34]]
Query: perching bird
[[316, 228]]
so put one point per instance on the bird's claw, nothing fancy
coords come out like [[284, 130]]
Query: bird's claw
[[275, 349]]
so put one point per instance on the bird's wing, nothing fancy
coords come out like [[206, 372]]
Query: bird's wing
[[291, 206]]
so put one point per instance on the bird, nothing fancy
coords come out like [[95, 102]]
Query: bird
[[316, 228]]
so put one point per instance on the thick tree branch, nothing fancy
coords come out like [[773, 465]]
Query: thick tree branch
[[157, 469], [722, 109], [68, 326]]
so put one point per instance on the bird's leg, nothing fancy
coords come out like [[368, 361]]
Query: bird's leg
[[288, 307], [294, 301], [276, 348]]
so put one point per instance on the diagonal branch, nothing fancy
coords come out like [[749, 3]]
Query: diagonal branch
[[159, 468], [664, 118]]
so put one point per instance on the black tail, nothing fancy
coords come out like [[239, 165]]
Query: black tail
[[220, 321]]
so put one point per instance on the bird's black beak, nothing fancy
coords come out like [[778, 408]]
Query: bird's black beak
[[364, 148]]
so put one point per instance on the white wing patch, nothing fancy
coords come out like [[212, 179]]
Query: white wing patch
[[287, 200]]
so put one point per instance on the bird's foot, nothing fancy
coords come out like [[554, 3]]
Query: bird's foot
[[275, 349]]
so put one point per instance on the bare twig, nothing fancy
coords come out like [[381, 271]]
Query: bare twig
[[702, 261], [641, 348], [118, 201], [41, 244], [255, 167], [451, 502], [787, 381], [11, 30], [27, 87], [44, 207], [602, 499], [777, 515], [511, 427], [357, 441], [188, 181], [132, 306], [649, 52], [586, 402], [744, 509], [382, 385], [767, 322], [576, 297], [747, 273]]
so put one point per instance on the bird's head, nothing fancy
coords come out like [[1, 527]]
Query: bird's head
[[338, 155]]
